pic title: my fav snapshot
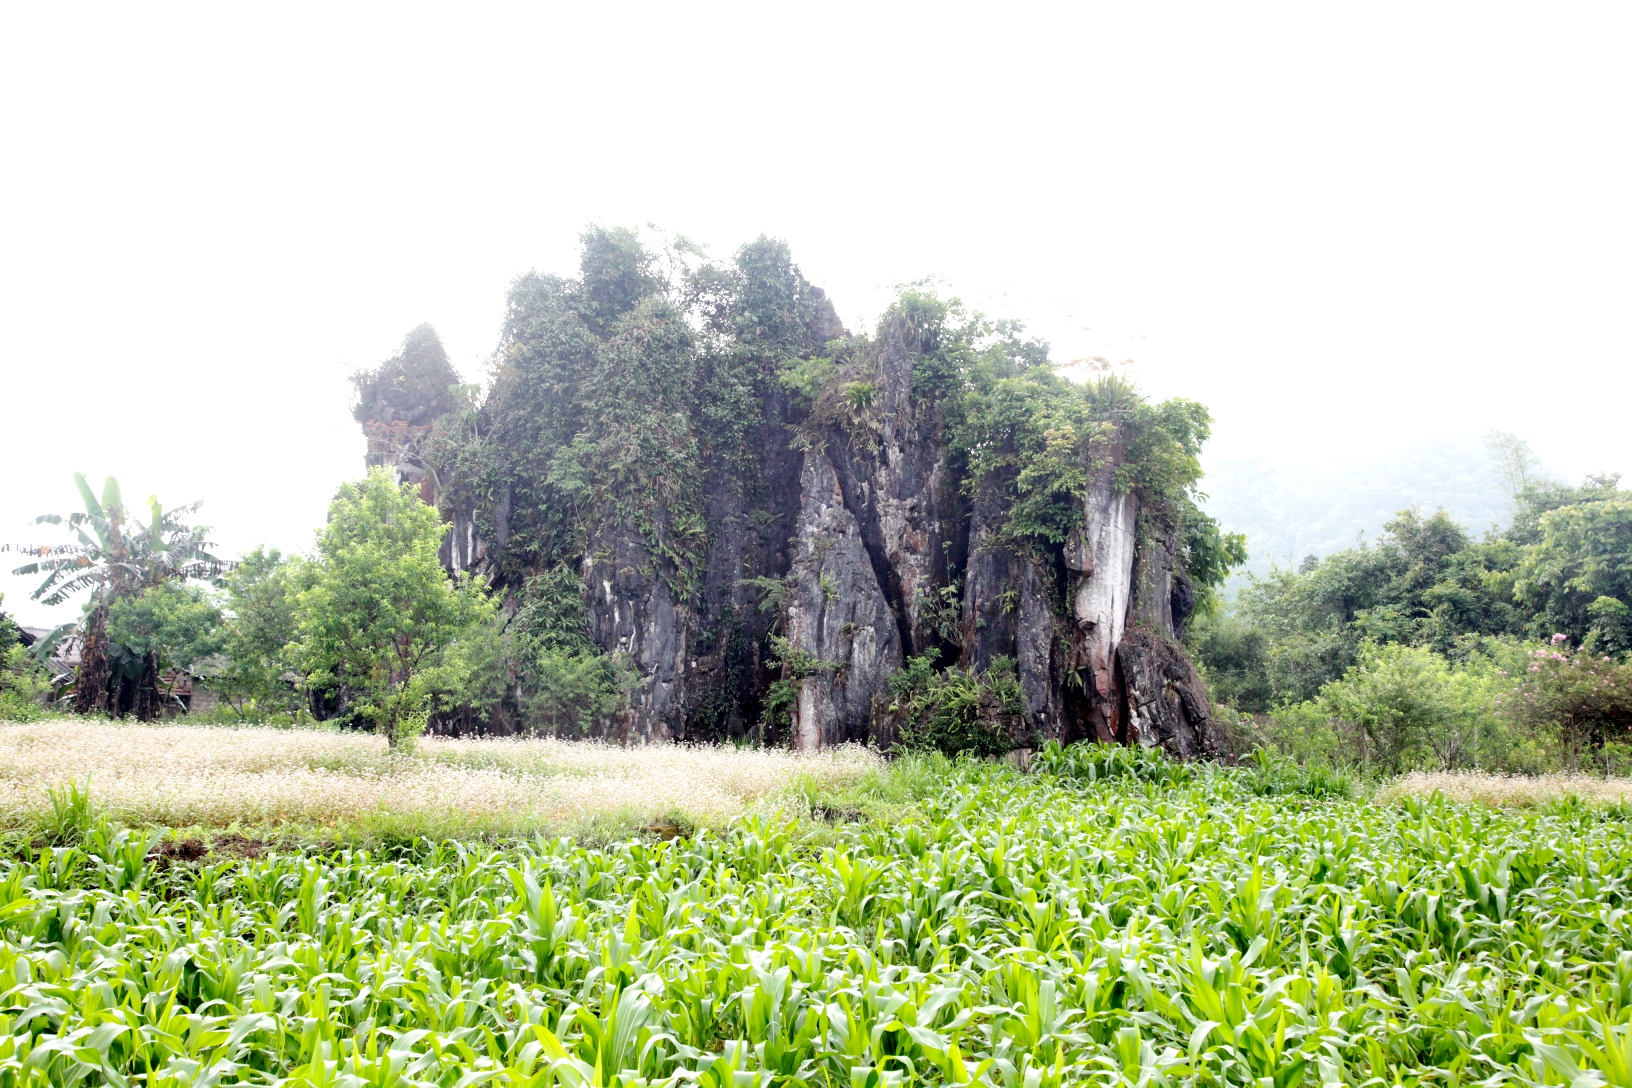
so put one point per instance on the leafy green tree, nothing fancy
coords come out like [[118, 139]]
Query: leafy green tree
[[1234, 655], [1515, 462], [117, 557], [1586, 698], [175, 624], [379, 616], [1578, 579], [255, 671]]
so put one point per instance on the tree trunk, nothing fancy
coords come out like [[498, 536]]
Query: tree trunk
[[147, 702], [96, 688]]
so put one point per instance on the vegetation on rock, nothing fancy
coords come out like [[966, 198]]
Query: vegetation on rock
[[652, 424]]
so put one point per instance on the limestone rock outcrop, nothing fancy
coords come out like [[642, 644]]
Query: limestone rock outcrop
[[824, 525]]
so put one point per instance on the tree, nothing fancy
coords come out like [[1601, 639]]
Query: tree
[[260, 605], [1578, 579], [172, 624], [115, 557], [379, 616], [1515, 462], [1586, 697]]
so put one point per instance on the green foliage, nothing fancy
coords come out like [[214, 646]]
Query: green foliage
[[1583, 697], [115, 554], [1410, 708], [1540, 497], [254, 676], [1578, 578], [1423, 583], [1033, 437], [563, 678], [412, 388], [1402, 708], [806, 378], [1393, 654], [623, 396], [794, 666], [941, 611], [117, 557], [1233, 655], [378, 615], [1268, 774], [1092, 763], [1208, 556], [956, 711], [1021, 931], [176, 623], [23, 683]]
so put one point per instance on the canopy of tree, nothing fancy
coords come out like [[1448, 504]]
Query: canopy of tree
[[1564, 566]]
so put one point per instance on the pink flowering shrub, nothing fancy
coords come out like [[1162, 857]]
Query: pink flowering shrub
[[1585, 697]]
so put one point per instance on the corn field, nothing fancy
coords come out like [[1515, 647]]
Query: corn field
[[1025, 932]]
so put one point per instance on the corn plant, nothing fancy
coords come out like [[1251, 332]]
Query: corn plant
[[1023, 931]]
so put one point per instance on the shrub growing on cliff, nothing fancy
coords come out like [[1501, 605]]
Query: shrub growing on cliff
[[379, 615], [956, 711]]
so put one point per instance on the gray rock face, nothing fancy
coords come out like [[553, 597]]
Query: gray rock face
[[632, 611], [841, 628], [883, 529], [1105, 552]]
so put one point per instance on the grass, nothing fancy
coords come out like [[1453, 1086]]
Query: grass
[[1507, 791], [318, 786], [963, 924]]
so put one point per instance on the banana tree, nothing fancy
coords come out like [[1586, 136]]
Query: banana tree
[[114, 555]]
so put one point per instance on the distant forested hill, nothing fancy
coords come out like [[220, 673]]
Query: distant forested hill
[[1290, 509]]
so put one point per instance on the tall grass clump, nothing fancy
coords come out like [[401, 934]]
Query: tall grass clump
[[327, 786]]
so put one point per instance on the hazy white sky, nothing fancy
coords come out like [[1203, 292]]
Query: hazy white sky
[[1338, 227]]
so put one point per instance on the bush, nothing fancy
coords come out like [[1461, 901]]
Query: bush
[[1584, 698], [956, 711], [1306, 733], [1403, 708], [24, 686]]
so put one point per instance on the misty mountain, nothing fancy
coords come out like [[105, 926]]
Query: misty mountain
[[1289, 509]]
